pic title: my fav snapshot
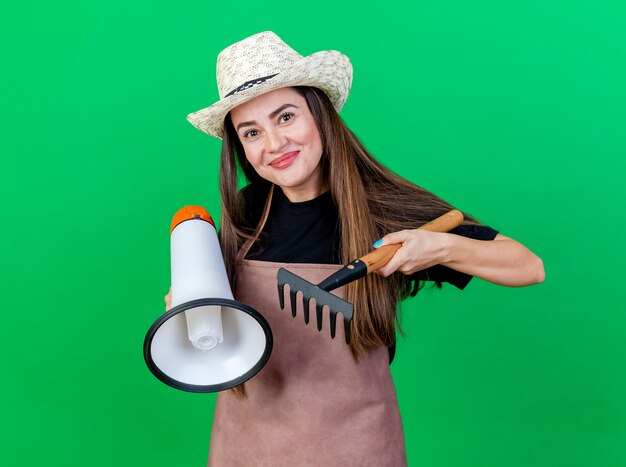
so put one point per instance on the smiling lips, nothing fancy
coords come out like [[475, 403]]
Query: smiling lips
[[285, 160]]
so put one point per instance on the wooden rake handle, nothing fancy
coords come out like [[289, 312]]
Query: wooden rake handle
[[381, 256]]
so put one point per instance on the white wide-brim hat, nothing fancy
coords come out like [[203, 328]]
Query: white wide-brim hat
[[262, 63]]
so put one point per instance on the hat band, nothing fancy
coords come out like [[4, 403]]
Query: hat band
[[249, 84]]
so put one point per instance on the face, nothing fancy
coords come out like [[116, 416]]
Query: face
[[281, 141]]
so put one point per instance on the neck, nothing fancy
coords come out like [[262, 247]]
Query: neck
[[306, 191], [298, 195]]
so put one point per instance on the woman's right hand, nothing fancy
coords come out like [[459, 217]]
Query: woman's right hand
[[168, 300]]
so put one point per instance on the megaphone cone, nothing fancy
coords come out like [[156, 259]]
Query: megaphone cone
[[208, 341]]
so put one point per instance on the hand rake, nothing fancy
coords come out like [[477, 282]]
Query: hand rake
[[352, 271]]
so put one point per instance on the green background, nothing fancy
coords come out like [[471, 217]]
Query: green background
[[512, 111]]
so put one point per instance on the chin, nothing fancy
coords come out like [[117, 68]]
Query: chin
[[289, 182]]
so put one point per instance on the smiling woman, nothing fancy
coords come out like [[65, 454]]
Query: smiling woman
[[316, 198], [281, 141]]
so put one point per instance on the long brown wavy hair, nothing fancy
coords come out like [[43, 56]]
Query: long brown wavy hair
[[371, 200]]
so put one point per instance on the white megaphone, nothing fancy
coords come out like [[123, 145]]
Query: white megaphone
[[207, 341]]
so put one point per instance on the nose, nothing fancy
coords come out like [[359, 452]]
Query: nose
[[275, 140]]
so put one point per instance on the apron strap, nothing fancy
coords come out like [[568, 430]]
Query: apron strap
[[243, 251]]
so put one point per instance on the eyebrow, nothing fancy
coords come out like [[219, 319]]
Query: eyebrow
[[272, 115]]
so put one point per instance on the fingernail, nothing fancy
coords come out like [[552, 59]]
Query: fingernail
[[377, 243]]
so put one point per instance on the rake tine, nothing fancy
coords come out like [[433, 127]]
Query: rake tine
[[318, 312], [292, 298], [346, 325], [333, 323], [305, 304], [281, 296]]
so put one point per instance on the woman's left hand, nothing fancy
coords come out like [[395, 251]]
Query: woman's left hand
[[502, 261], [420, 249]]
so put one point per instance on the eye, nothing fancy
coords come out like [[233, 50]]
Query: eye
[[285, 117], [250, 134]]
